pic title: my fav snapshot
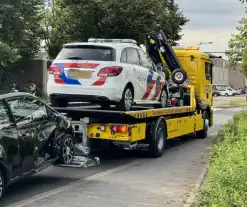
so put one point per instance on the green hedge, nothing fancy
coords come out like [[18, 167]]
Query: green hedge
[[226, 182]]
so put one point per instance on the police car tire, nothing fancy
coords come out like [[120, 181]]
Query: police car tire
[[160, 104], [121, 105], [156, 146], [175, 78]]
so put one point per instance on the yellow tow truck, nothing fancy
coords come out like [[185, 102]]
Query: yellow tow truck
[[149, 128]]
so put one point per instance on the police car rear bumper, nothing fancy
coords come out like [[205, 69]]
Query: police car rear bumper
[[84, 94]]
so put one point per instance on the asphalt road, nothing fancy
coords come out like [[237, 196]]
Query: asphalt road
[[122, 178]]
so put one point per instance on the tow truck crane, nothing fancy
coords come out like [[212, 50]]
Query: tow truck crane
[[148, 129]]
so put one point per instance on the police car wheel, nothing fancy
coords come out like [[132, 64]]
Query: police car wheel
[[163, 98], [178, 76], [127, 100]]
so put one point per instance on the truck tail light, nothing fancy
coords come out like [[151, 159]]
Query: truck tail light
[[110, 71], [55, 70], [119, 128]]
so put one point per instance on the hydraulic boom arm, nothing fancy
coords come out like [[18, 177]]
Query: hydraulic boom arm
[[161, 52]]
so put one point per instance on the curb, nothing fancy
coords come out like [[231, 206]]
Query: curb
[[192, 196], [204, 170]]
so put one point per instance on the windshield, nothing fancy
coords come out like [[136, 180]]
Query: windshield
[[86, 52]]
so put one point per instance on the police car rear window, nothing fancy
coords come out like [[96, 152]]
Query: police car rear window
[[85, 52]]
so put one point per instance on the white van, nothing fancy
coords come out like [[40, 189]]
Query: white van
[[221, 86]]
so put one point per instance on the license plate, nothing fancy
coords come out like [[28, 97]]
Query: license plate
[[77, 74]]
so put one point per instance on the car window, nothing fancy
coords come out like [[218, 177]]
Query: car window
[[146, 61], [27, 110], [5, 120], [86, 52], [132, 56], [123, 56]]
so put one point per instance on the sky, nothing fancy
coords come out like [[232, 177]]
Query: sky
[[210, 21]]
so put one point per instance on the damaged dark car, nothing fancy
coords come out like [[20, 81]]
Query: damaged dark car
[[33, 136]]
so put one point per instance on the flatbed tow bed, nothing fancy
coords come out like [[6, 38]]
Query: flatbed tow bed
[[149, 129]]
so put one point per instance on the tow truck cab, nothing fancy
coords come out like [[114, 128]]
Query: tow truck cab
[[198, 67]]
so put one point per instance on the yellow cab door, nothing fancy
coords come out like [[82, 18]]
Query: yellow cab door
[[207, 85]]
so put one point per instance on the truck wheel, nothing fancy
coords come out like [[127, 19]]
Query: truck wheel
[[58, 102], [158, 139], [67, 149], [127, 100], [2, 184], [178, 76], [226, 94], [204, 132]]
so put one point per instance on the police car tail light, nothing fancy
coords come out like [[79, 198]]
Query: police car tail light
[[55, 70], [110, 71], [119, 128]]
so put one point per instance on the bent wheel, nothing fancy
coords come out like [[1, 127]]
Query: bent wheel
[[158, 139], [67, 149]]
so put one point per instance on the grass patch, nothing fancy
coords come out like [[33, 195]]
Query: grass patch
[[231, 103], [226, 182]]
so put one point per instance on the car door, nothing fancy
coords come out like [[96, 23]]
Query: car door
[[155, 78], [138, 73], [32, 121], [9, 145]]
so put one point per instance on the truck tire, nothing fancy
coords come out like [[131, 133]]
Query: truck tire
[[157, 140], [58, 102], [67, 149], [204, 132], [2, 184], [178, 76]]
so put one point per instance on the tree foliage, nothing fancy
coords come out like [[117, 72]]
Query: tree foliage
[[8, 55], [79, 20], [20, 26], [238, 46]]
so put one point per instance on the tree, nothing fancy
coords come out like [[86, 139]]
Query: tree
[[20, 25], [8, 55], [81, 19], [238, 46]]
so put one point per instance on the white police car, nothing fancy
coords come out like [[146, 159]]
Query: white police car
[[106, 72]]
